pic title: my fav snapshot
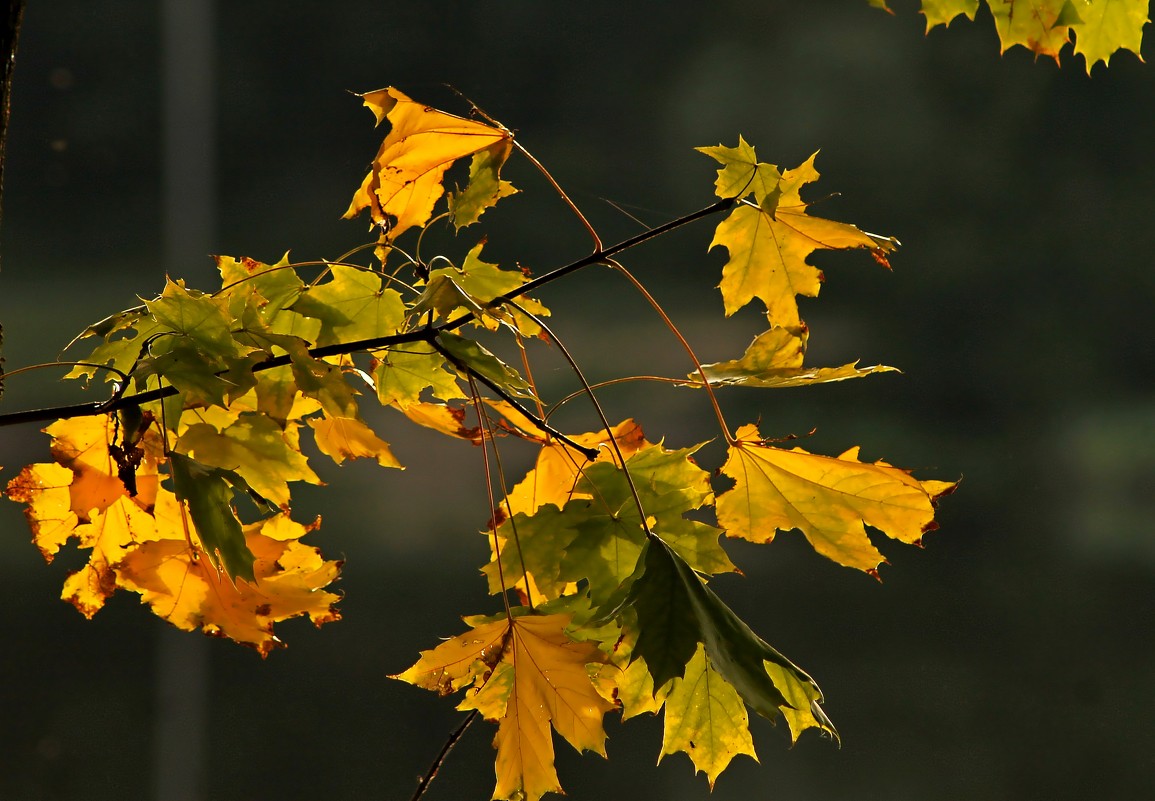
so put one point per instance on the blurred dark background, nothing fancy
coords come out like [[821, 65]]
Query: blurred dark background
[[1011, 658]]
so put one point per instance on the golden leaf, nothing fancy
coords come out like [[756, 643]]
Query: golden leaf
[[406, 177], [829, 500]]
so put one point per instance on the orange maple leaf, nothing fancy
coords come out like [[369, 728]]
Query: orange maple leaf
[[406, 177]]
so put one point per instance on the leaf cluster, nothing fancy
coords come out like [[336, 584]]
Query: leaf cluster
[[179, 487], [1098, 28]]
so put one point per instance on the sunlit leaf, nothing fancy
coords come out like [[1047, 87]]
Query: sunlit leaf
[[774, 359], [266, 456], [181, 585], [405, 180], [676, 610], [769, 243], [485, 186], [402, 375], [705, 718], [829, 499], [342, 438], [352, 305]]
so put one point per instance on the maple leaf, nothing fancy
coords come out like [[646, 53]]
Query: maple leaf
[[829, 499], [342, 438], [774, 359], [485, 186], [941, 12], [770, 240], [676, 612], [256, 448], [405, 181], [1042, 26], [352, 305], [1100, 27], [471, 356], [473, 287], [400, 376], [1107, 26], [539, 680], [705, 718], [599, 532], [178, 581], [444, 418], [278, 285]]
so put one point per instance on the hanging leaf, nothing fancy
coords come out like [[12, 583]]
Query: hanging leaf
[[774, 359], [405, 181], [829, 499]]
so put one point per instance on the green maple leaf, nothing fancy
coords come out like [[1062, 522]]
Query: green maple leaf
[[256, 448], [278, 285], [352, 306], [204, 319], [941, 12], [1107, 26], [485, 186], [676, 611], [208, 491], [476, 357], [473, 287], [402, 375]]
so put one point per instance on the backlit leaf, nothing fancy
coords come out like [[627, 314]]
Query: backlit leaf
[[342, 438], [542, 681], [705, 718], [402, 375], [769, 243], [209, 496], [774, 359], [474, 356], [676, 610], [351, 305], [485, 186], [405, 181], [181, 585], [829, 499], [256, 448]]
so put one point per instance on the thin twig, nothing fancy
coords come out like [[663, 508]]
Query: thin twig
[[374, 343], [545, 427], [430, 774]]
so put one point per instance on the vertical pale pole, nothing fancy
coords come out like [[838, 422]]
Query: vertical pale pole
[[189, 208]]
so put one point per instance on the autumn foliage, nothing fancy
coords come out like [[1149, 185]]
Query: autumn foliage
[[1098, 28], [179, 485]]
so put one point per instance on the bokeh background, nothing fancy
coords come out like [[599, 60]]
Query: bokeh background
[[1011, 658]]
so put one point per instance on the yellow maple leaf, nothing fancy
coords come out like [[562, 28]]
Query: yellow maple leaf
[[1107, 26], [769, 243], [706, 718], [828, 499], [529, 676], [405, 180], [1041, 26], [342, 438]]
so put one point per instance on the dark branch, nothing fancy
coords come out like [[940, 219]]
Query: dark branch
[[454, 736], [427, 334]]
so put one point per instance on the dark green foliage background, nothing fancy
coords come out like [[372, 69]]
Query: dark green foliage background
[[1010, 659]]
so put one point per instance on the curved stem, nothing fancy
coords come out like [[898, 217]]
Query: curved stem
[[613, 442], [375, 343], [561, 193], [638, 285], [488, 435], [430, 774]]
